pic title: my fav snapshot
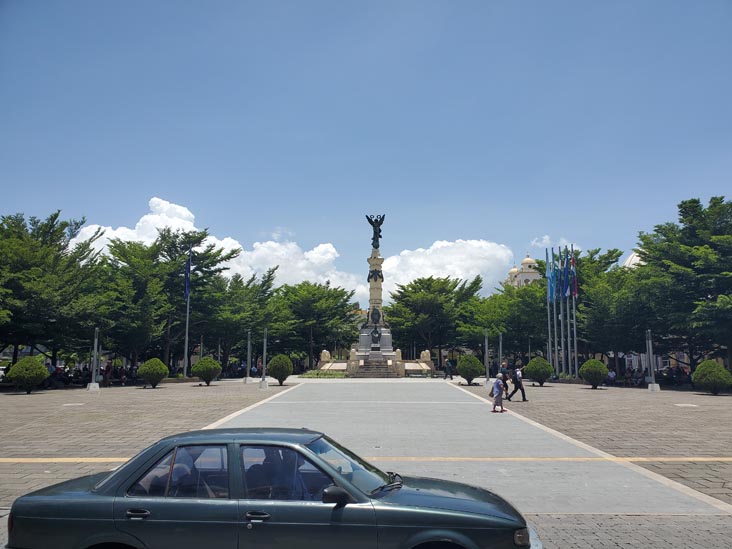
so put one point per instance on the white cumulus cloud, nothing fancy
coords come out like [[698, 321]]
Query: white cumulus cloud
[[547, 242], [461, 258]]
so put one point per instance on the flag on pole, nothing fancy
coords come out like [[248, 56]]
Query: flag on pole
[[556, 274], [187, 287], [573, 271]]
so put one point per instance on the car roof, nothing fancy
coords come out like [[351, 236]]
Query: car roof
[[247, 434]]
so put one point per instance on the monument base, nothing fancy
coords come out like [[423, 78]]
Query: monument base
[[375, 359]]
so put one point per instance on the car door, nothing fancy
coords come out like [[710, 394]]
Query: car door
[[282, 507], [183, 501]]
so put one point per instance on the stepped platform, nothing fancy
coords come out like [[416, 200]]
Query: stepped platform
[[374, 369]]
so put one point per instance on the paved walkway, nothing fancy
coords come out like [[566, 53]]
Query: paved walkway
[[575, 495]]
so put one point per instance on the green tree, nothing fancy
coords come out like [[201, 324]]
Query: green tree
[[311, 316], [136, 307], [687, 279], [50, 282], [428, 310], [207, 262]]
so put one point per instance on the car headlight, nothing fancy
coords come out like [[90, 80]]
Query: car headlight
[[521, 538]]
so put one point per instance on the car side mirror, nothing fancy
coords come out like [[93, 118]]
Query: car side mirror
[[336, 494]]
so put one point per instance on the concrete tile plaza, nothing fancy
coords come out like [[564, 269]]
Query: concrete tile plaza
[[571, 459]]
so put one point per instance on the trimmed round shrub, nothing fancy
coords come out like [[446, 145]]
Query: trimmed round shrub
[[279, 368], [469, 367], [28, 372], [207, 369], [593, 372], [153, 371], [539, 370], [711, 376]]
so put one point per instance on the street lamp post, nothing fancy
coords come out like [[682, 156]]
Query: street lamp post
[[93, 385], [500, 350], [249, 356], [485, 358], [652, 386], [263, 382]]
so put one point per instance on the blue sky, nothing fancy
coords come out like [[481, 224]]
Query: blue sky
[[494, 123]]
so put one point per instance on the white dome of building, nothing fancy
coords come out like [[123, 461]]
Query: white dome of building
[[632, 261]]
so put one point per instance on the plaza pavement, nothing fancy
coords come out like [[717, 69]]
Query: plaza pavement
[[574, 494]]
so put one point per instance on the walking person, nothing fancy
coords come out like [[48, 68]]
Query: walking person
[[498, 388], [518, 384], [448, 369]]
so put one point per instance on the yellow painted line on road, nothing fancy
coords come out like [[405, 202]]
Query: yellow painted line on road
[[541, 459], [454, 459], [65, 460]]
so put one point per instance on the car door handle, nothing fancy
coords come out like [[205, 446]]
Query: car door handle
[[137, 514], [257, 516]]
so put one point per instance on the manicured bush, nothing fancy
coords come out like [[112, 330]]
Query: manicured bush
[[711, 376], [538, 369], [28, 372], [279, 368], [208, 368], [469, 367], [324, 374], [153, 371], [593, 372]]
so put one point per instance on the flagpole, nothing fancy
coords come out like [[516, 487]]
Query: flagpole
[[574, 310], [188, 311], [185, 346], [569, 323], [561, 310], [554, 313], [548, 310]]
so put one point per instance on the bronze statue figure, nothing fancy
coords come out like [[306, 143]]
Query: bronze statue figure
[[376, 274], [375, 315], [375, 335], [375, 222]]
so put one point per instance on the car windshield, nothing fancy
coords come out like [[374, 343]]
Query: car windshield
[[358, 472]]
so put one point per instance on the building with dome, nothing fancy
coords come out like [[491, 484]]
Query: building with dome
[[528, 273]]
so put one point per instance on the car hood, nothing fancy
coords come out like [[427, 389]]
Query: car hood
[[452, 496]]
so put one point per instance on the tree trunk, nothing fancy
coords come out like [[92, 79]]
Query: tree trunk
[[617, 362], [15, 353]]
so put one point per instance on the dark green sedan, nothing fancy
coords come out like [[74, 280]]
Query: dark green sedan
[[254, 488]]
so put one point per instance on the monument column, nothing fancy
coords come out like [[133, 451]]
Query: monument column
[[375, 352]]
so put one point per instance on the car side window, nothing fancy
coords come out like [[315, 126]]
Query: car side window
[[279, 473], [187, 472], [155, 481], [200, 472]]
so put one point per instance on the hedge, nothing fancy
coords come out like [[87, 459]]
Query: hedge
[[538, 369], [28, 373], [711, 376], [469, 367], [207, 369], [153, 371], [280, 367], [593, 372]]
